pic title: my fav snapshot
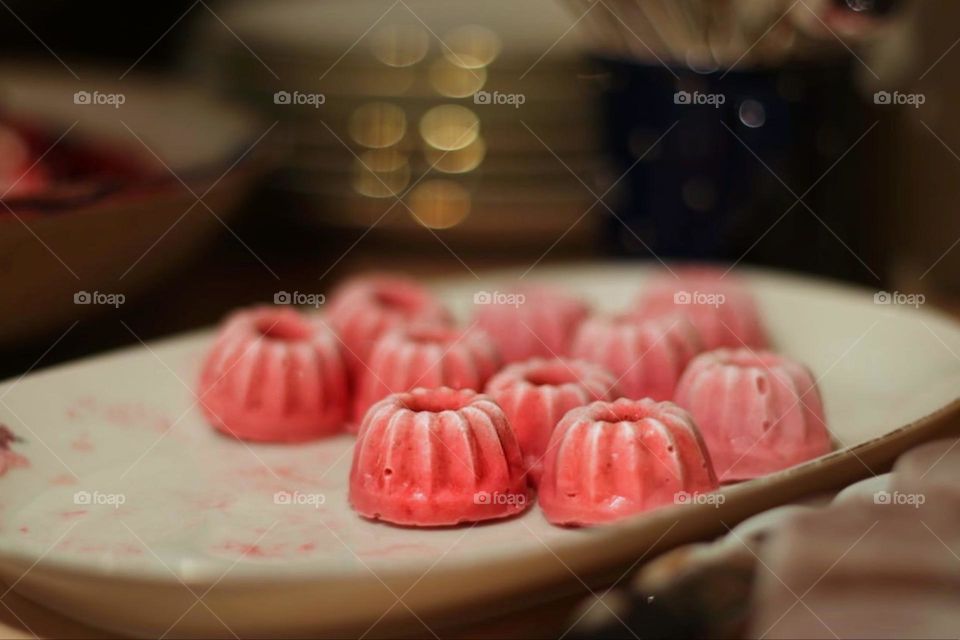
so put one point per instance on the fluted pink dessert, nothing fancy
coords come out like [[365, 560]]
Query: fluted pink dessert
[[530, 322], [537, 393], [759, 412], [426, 355], [274, 375], [363, 308], [433, 457], [646, 356], [720, 306], [610, 460]]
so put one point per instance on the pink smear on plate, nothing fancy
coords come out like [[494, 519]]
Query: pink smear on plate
[[253, 550], [8, 458], [82, 444], [126, 415]]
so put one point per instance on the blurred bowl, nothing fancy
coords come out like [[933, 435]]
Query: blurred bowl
[[119, 233]]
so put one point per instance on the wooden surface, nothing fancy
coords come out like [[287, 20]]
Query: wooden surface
[[21, 619]]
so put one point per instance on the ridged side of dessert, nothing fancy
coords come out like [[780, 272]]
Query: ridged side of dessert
[[759, 412], [531, 322], [610, 460], [365, 307], [537, 393], [274, 375], [426, 355], [719, 305], [436, 457], [646, 356]]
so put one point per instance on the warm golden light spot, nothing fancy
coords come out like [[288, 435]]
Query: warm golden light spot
[[378, 124], [449, 127], [455, 82], [384, 160], [471, 46], [381, 173], [457, 161], [440, 204], [400, 45]]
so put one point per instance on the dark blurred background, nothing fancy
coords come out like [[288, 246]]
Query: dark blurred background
[[277, 146]]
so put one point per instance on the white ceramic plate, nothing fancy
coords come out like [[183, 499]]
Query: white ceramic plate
[[198, 516]]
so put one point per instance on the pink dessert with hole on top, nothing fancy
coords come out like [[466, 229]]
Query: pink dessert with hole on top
[[530, 322], [759, 412], [436, 457], [646, 356], [611, 460], [719, 305], [274, 375], [426, 355], [536, 394], [365, 307]]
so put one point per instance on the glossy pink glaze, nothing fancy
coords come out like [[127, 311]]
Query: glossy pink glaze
[[536, 394], [435, 457], [759, 412], [610, 460], [426, 355], [646, 356], [274, 375], [721, 307], [542, 325]]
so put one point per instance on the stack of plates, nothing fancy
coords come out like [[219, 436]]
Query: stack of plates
[[456, 109]]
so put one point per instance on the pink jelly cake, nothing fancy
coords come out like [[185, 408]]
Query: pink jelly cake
[[274, 375], [434, 457], [646, 356], [759, 412], [363, 308], [610, 460], [720, 306], [426, 355], [537, 393], [530, 322]]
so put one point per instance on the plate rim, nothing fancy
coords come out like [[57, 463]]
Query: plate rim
[[616, 534]]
